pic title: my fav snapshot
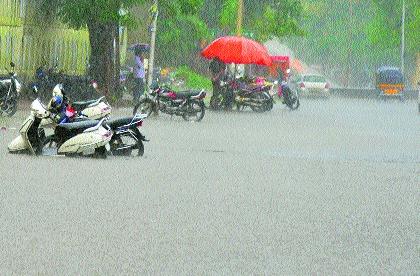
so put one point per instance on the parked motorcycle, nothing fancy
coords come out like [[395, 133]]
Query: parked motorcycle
[[256, 97], [188, 104], [126, 138], [84, 138], [9, 93], [243, 94]]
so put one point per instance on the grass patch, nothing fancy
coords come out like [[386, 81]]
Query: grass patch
[[193, 80]]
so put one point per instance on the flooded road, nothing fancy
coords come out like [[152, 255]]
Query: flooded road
[[331, 188]]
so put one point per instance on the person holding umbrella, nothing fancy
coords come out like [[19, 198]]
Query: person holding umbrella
[[233, 49], [139, 75]]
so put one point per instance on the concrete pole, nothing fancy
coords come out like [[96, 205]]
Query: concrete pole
[[154, 13], [239, 25], [350, 45], [403, 37]]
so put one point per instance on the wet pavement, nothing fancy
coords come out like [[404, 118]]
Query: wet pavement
[[332, 188]]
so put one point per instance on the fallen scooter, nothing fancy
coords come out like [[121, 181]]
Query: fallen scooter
[[92, 109], [88, 138], [126, 139]]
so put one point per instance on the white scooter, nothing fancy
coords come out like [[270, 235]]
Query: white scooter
[[84, 138], [92, 110]]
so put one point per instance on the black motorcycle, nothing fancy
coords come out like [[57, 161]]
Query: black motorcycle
[[127, 139], [290, 97], [188, 104], [238, 93], [257, 98], [9, 93]]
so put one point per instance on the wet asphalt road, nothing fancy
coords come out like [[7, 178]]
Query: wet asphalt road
[[332, 188]]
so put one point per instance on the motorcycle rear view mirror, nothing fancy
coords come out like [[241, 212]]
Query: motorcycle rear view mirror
[[12, 64], [35, 90]]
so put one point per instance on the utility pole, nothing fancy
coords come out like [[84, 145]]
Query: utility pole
[[240, 17], [154, 15], [350, 44], [239, 24], [403, 37]]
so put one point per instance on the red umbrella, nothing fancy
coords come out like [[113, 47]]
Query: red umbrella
[[238, 50]]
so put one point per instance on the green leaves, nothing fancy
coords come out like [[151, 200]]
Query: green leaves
[[264, 18], [180, 30], [229, 14], [77, 13]]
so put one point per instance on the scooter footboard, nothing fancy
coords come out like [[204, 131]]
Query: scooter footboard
[[18, 144]]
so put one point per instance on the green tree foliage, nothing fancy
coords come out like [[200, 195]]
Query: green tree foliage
[[387, 23], [350, 39], [332, 35], [180, 30], [263, 19]]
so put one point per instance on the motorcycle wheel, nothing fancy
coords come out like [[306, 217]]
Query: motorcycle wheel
[[292, 100], [240, 107], [259, 108], [9, 108], [145, 106], [127, 145], [100, 153], [195, 111], [270, 102], [216, 103]]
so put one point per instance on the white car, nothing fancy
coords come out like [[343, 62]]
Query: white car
[[312, 85]]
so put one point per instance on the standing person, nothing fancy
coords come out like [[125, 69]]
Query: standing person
[[280, 79], [139, 75], [217, 69]]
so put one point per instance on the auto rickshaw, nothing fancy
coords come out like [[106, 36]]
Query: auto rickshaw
[[389, 82]]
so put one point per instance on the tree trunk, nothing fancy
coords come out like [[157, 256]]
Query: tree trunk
[[102, 55]]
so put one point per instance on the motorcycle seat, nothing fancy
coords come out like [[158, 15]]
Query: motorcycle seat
[[115, 123], [80, 125], [187, 94], [82, 104]]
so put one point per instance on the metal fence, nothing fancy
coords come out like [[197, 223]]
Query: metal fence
[[30, 46], [69, 49]]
